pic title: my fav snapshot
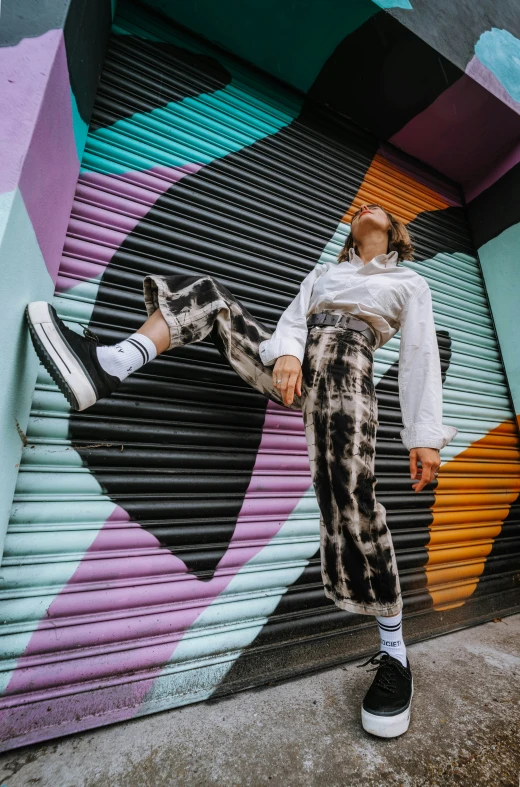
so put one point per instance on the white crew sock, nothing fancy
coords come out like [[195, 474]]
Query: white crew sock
[[125, 357], [391, 633]]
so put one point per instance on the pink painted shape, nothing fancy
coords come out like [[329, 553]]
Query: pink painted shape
[[24, 69], [37, 136], [51, 165], [150, 627], [106, 209], [461, 132]]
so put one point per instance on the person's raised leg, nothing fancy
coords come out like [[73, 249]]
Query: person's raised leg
[[195, 307], [83, 369], [182, 309]]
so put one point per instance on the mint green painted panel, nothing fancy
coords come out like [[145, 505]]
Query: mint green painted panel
[[500, 259]]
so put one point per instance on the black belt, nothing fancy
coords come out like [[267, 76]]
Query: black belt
[[343, 321]]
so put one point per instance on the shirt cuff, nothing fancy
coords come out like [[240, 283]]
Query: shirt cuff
[[427, 435], [271, 350]]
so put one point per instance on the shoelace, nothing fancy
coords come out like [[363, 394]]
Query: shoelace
[[385, 677], [90, 335]]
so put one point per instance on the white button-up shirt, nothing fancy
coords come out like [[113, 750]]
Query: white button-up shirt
[[388, 297]]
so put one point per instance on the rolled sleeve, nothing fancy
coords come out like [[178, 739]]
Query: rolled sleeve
[[290, 335], [420, 380]]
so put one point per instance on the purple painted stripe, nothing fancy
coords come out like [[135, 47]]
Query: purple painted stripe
[[456, 115], [138, 185], [159, 579], [90, 251], [283, 442], [25, 69], [37, 137], [107, 208]]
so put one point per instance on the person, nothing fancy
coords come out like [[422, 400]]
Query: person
[[319, 360]]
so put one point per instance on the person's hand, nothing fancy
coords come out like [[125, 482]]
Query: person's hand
[[430, 462], [288, 370]]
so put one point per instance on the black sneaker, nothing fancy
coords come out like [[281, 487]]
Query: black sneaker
[[70, 359], [386, 708]]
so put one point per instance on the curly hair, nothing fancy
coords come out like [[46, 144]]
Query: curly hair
[[398, 240]]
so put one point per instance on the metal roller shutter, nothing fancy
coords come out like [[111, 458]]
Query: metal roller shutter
[[163, 546]]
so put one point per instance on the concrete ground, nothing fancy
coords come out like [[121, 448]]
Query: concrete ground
[[465, 730]]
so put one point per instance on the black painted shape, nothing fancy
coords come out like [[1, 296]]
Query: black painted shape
[[254, 221], [397, 70], [87, 32], [496, 208], [442, 231], [293, 617], [160, 73]]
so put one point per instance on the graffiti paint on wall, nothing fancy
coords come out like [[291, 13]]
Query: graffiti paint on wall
[[165, 533]]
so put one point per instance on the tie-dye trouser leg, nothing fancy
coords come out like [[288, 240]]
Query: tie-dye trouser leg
[[339, 408], [358, 561]]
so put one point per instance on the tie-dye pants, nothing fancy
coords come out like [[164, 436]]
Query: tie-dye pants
[[339, 407]]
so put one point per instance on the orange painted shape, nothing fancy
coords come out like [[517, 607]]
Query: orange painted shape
[[465, 535], [480, 496], [398, 192], [459, 573]]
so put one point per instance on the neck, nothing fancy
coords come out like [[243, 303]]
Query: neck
[[371, 247]]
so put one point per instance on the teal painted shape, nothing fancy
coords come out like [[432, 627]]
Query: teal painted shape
[[169, 136], [499, 260], [394, 4], [79, 126], [292, 41], [499, 51]]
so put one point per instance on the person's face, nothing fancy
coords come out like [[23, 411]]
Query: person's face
[[366, 220]]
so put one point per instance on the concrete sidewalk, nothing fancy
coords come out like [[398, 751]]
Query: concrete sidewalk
[[465, 730]]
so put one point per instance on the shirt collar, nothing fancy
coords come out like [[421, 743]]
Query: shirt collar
[[380, 261]]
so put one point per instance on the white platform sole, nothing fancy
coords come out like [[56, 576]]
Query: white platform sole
[[387, 726], [57, 357]]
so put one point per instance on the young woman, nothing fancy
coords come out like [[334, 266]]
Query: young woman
[[322, 351]]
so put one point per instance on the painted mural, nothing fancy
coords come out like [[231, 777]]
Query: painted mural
[[162, 538], [438, 80], [423, 75]]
